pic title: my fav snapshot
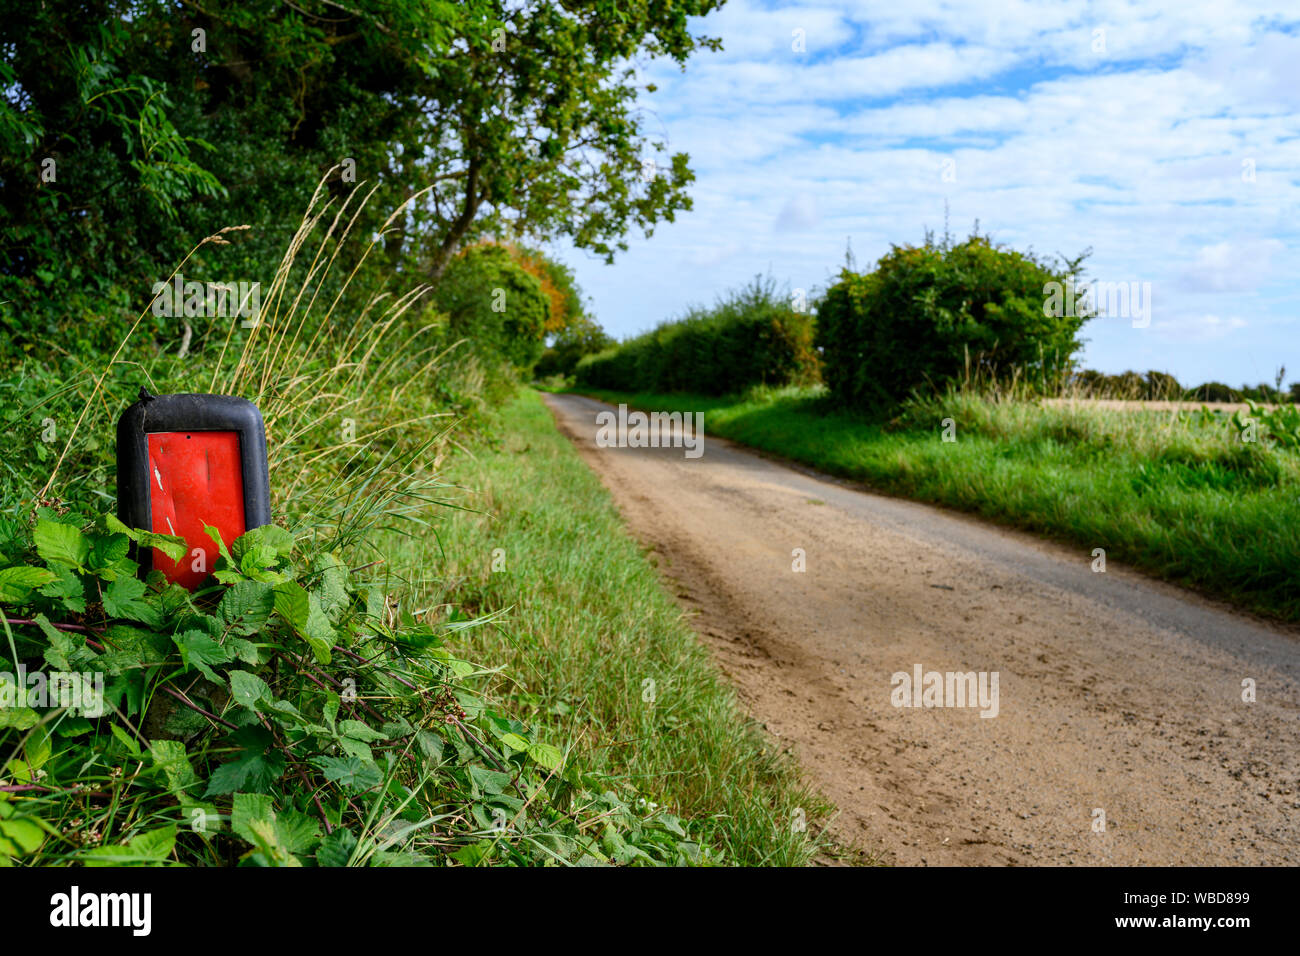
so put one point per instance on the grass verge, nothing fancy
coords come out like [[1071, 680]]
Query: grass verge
[[1175, 493], [597, 652]]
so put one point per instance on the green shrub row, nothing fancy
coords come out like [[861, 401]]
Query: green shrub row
[[752, 337]]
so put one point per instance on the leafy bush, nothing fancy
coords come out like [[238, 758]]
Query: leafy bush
[[929, 314], [752, 337], [294, 714], [496, 305]]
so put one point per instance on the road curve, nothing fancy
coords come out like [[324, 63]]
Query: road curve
[[1120, 699]]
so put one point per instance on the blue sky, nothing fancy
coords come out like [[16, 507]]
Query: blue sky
[[1131, 128]]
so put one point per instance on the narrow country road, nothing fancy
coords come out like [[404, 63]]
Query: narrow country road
[[1120, 700]]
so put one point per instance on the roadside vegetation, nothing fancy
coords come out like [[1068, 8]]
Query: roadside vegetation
[[313, 705], [754, 336], [347, 688], [356, 687]]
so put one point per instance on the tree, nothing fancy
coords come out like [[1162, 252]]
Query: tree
[[163, 122], [495, 306], [537, 133]]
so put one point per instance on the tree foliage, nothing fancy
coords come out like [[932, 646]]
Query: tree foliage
[[130, 129], [495, 306]]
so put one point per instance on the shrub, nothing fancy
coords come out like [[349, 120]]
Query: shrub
[[752, 337], [929, 314], [491, 301]]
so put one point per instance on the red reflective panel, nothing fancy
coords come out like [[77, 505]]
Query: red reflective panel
[[194, 479]]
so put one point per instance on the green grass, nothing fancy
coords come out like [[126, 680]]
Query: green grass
[[586, 625], [1175, 494]]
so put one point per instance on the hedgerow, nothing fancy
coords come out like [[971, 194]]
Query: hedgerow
[[754, 336]]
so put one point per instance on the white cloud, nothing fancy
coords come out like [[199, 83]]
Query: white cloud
[[1233, 266], [1197, 329]]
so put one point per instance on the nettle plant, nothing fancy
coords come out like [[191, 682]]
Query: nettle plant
[[290, 714]]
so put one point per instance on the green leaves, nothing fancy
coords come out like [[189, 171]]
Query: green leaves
[[171, 545], [200, 651], [246, 607], [145, 849], [17, 584], [256, 555], [336, 849], [248, 690], [124, 599], [67, 589], [61, 543], [317, 737], [20, 835], [302, 612], [546, 755], [351, 773], [12, 715], [255, 767], [270, 542], [277, 836], [170, 758]]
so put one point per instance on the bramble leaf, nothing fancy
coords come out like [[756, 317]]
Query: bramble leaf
[[248, 690], [254, 768], [17, 584], [61, 543], [123, 599]]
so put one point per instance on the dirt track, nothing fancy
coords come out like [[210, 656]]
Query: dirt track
[[1116, 693]]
